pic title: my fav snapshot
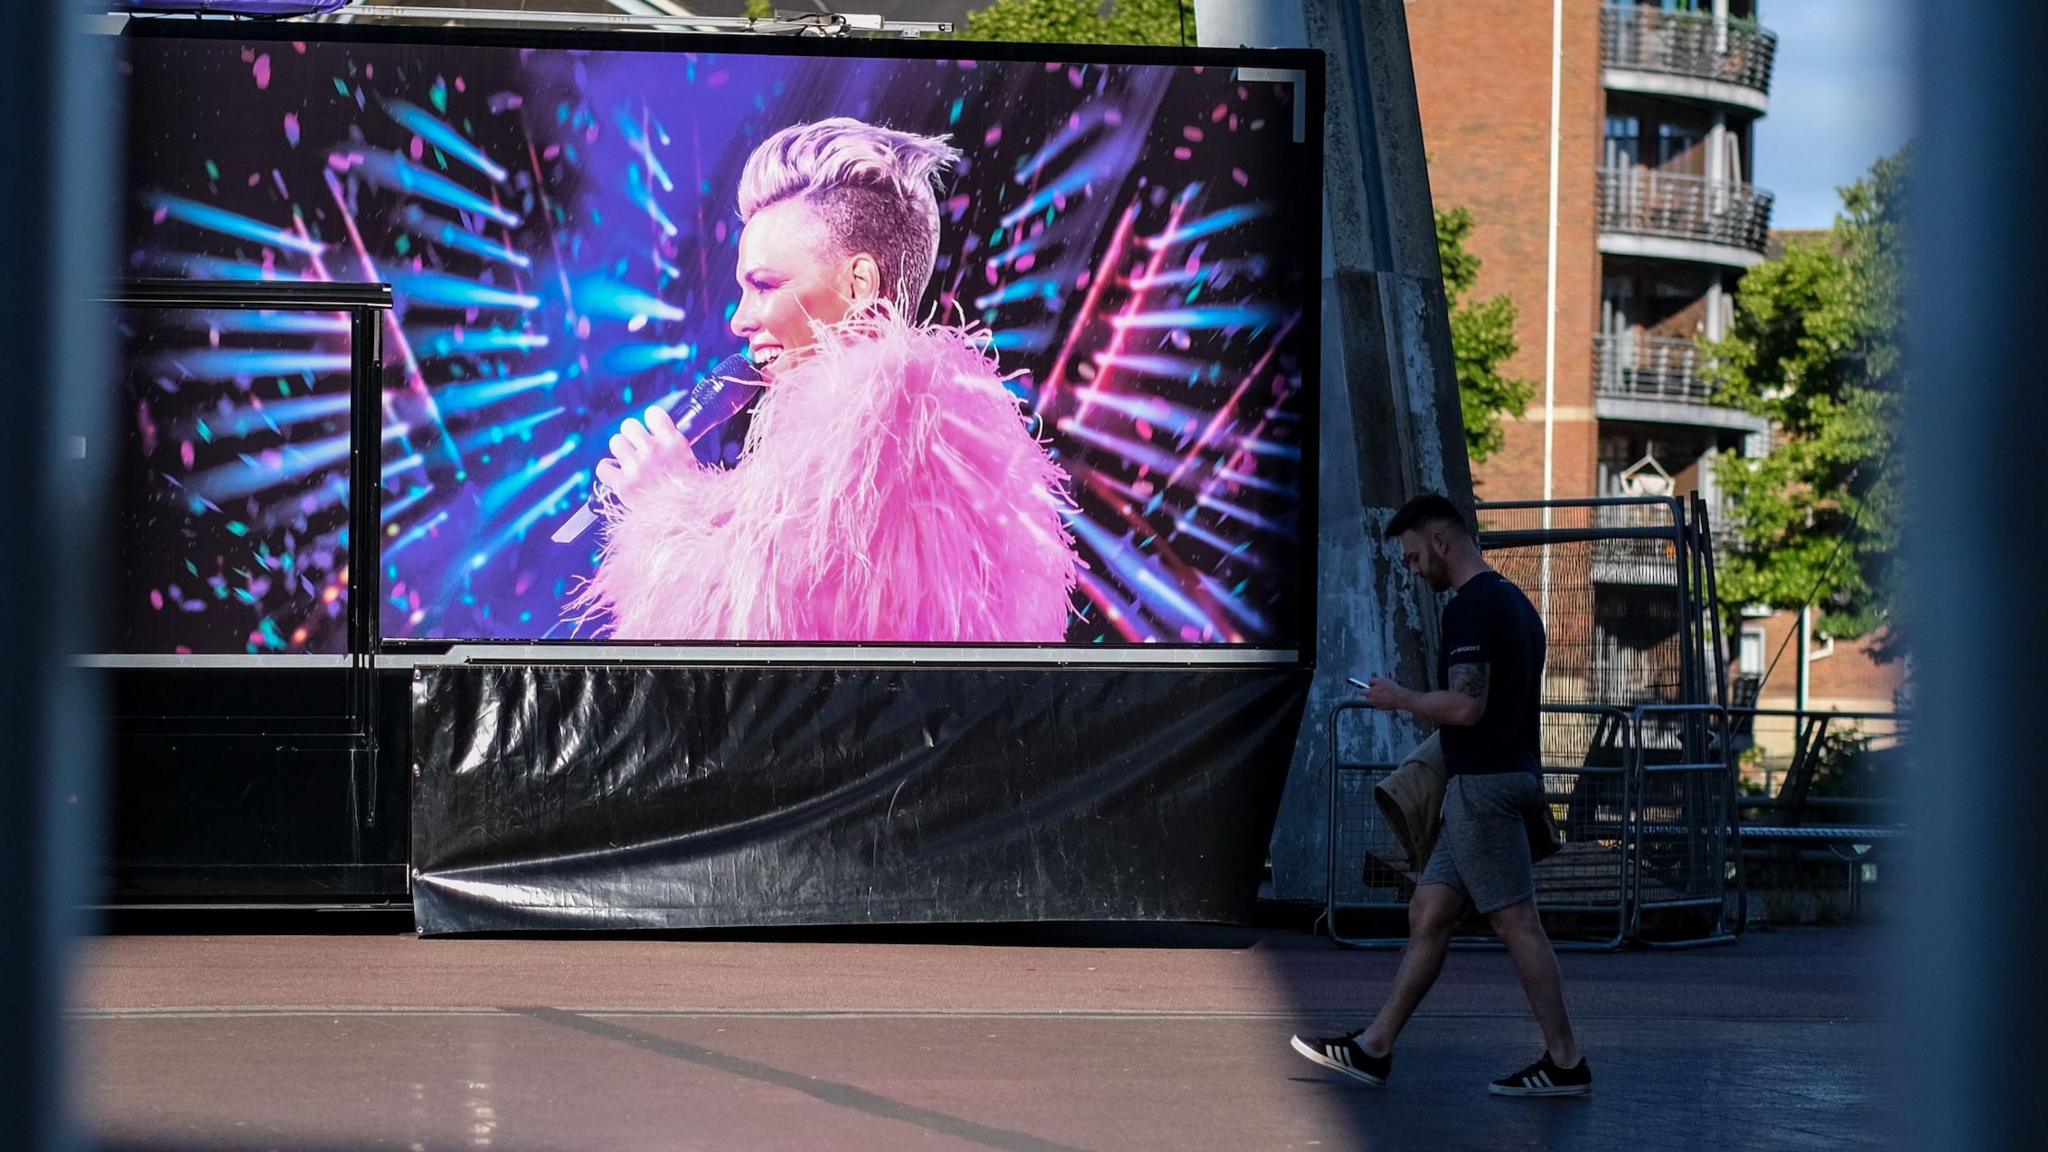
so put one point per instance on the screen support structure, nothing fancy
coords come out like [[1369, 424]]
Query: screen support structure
[[367, 306], [782, 23]]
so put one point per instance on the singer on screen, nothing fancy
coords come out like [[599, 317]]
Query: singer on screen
[[889, 489]]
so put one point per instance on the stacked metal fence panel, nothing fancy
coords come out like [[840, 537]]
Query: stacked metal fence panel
[[1636, 766], [1587, 881]]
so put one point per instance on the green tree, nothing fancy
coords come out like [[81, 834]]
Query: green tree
[[1815, 351], [761, 9], [1482, 339], [1161, 22]]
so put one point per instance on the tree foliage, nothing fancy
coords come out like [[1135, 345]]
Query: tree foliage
[[1815, 350], [1159, 22], [1482, 339]]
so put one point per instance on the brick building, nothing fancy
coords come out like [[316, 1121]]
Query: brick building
[[1655, 219], [1615, 200]]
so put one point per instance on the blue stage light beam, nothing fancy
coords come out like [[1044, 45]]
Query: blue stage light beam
[[1042, 287], [1071, 181], [290, 323], [443, 135], [1203, 319], [1211, 224], [227, 223], [607, 299], [449, 234], [470, 397], [507, 490], [1140, 574], [240, 363], [434, 289], [245, 421], [515, 430], [394, 172], [247, 477], [442, 342]]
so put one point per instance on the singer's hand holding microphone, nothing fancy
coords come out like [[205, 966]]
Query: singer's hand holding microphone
[[641, 450], [647, 445]]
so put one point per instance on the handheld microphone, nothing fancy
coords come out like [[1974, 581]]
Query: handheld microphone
[[717, 398]]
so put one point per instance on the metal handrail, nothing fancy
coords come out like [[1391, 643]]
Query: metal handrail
[[1630, 754], [1693, 44], [1800, 716], [1652, 368], [1653, 202]]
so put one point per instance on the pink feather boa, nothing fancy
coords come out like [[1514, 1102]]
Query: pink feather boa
[[889, 491]]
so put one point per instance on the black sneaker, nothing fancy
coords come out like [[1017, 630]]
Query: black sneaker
[[1545, 1078], [1342, 1054]]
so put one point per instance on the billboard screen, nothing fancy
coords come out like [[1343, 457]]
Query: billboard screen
[[697, 341], [230, 493]]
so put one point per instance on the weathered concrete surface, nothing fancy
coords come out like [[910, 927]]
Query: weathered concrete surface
[[386, 1041]]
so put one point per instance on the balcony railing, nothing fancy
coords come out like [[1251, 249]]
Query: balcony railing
[[1649, 202], [1652, 368], [1691, 44]]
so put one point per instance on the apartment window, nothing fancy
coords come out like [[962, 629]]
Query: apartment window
[[1624, 142], [1617, 304], [1749, 651], [1678, 150]]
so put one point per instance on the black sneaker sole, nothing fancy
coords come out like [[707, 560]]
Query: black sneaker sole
[[1358, 1074], [1527, 1093]]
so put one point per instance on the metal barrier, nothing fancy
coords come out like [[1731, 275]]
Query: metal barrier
[[1615, 583], [1637, 740], [1686, 834], [1853, 843], [1591, 802]]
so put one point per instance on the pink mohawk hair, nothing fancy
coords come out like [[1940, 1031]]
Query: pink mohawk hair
[[875, 188]]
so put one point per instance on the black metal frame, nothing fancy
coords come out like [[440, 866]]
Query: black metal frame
[[1307, 224], [367, 306], [1700, 721], [1626, 882]]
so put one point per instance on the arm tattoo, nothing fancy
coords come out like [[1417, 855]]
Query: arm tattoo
[[1470, 679]]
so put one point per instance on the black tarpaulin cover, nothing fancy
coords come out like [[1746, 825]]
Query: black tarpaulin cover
[[603, 797]]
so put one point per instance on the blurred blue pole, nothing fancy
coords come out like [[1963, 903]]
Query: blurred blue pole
[[1976, 976], [58, 87]]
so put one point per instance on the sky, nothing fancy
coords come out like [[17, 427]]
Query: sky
[[1841, 96]]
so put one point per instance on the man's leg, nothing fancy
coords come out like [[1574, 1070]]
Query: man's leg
[[1432, 914], [1521, 930]]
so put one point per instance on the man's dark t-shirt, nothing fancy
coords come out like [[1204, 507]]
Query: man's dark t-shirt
[[1490, 622]]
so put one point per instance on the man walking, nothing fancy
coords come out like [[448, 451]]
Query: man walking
[[1489, 675]]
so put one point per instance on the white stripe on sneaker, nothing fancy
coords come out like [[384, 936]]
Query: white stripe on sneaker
[[1327, 1055]]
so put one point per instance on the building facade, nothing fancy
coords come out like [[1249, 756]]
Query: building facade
[[1606, 155], [1618, 211]]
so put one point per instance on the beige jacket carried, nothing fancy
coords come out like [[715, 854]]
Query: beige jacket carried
[[1411, 800]]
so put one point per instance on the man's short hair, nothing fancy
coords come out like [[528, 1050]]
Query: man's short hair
[[1423, 511], [874, 187]]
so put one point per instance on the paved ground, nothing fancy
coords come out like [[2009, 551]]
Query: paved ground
[[1168, 1039]]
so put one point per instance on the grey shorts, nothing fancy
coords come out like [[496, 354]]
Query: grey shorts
[[1483, 850]]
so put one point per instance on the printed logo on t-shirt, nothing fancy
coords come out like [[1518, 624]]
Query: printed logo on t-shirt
[[1467, 650]]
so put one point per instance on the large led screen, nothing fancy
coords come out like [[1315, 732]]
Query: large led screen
[[230, 489], [747, 341]]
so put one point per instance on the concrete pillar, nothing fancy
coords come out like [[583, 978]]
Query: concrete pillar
[[1391, 422]]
